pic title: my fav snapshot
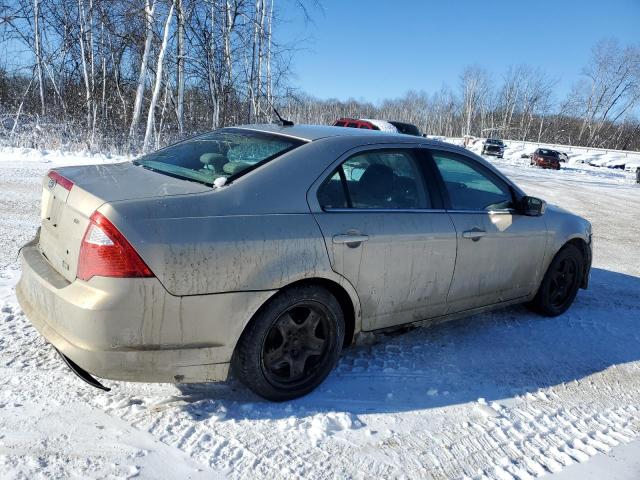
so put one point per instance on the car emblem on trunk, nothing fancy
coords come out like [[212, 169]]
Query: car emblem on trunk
[[52, 183]]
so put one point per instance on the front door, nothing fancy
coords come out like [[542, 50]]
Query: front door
[[500, 251], [384, 236]]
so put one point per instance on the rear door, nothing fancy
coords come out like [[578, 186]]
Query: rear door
[[387, 234], [500, 251]]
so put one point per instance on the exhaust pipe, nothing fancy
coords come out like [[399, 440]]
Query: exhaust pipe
[[83, 374]]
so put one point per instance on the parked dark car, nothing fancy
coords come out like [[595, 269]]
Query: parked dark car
[[493, 146], [546, 158], [406, 128]]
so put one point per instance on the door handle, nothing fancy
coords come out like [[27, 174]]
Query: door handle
[[351, 239], [474, 234]]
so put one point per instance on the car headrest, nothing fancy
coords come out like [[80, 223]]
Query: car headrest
[[231, 168], [210, 158], [376, 181]]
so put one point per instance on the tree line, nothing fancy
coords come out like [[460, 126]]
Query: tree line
[[601, 109], [133, 75]]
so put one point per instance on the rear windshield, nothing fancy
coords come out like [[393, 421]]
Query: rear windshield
[[228, 153], [548, 153]]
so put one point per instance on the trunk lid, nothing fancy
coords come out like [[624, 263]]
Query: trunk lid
[[65, 213]]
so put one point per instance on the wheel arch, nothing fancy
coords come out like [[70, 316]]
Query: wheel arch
[[344, 293], [553, 250], [581, 245], [344, 299]]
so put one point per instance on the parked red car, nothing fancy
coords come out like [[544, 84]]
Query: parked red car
[[546, 158], [355, 123]]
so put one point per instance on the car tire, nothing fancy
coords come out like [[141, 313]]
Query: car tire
[[291, 345], [560, 284]]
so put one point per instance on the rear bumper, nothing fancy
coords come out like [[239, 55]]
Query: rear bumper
[[133, 329], [547, 164], [496, 153]]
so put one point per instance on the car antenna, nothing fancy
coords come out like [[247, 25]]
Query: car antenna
[[284, 122]]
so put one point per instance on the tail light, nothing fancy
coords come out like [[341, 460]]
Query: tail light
[[105, 252], [56, 178]]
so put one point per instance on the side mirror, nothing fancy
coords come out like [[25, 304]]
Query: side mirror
[[532, 206]]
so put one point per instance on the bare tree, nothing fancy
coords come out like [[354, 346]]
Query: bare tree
[[149, 14], [36, 29], [90, 69], [474, 85], [610, 90], [158, 80], [180, 20]]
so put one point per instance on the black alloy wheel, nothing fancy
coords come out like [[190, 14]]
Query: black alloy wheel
[[292, 344], [563, 281], [560, 284], [296, 345]]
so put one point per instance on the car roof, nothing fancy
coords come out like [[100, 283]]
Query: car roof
[[316, 132], [359, 136], [311, 133]]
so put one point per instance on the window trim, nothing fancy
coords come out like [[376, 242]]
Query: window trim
[[444, 193], [345, 190]]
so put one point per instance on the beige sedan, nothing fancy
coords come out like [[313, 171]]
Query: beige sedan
[[263, 250]]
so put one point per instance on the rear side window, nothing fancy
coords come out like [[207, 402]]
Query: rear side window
[[470, 186], [331, 194], [388, 179]]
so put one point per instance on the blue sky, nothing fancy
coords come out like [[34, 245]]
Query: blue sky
[[380, 49]]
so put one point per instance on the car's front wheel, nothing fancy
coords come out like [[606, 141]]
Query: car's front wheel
[[560, 284], [291, 345]]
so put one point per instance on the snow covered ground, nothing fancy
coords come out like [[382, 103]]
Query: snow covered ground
[[496, 396]]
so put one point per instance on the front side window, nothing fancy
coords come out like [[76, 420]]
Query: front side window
[[471, 187], [384, 179], [227, 153]]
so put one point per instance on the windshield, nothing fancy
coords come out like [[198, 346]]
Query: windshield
[[227, 153], [494, 142]]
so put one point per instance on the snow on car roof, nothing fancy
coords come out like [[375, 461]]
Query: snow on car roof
[[383, 125]]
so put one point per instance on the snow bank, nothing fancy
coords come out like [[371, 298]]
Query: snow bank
[[54, 158]]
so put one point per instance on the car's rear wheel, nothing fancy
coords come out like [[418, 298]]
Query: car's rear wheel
[[291, 345], [560, 284]]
